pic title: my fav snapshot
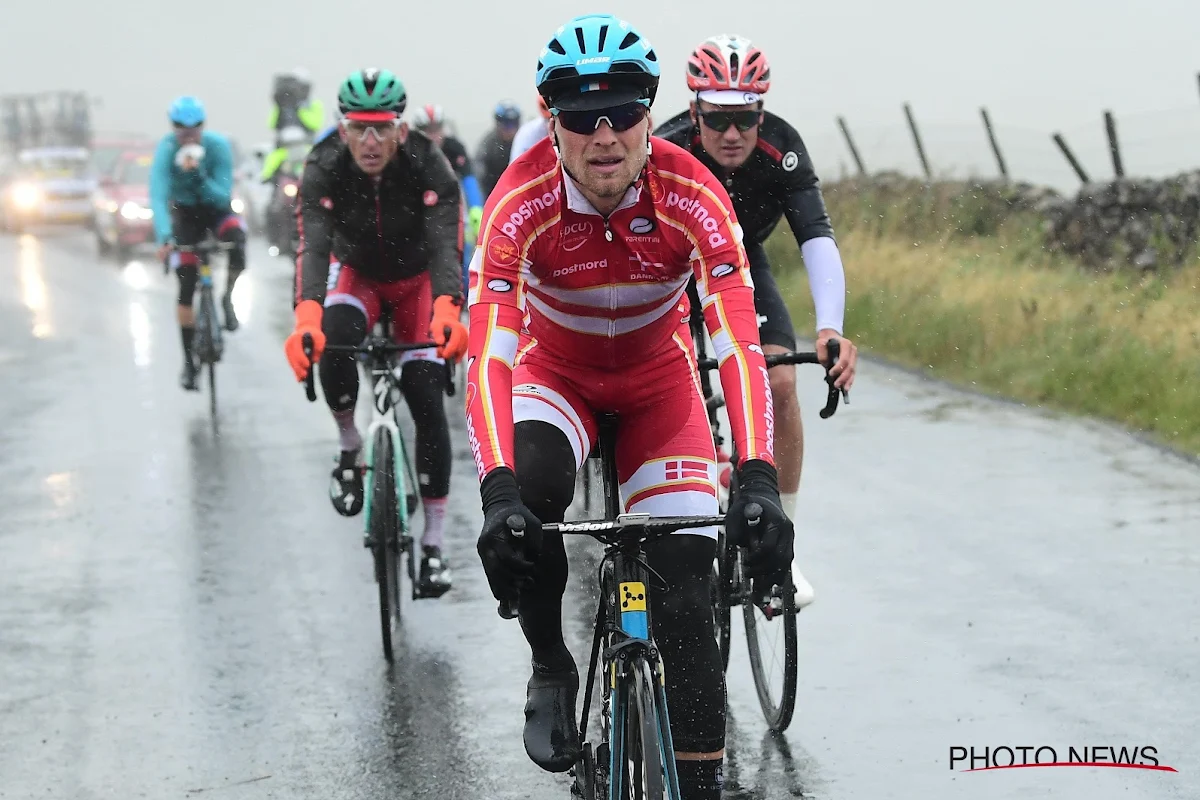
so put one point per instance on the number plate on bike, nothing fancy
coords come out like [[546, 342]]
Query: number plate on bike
[[633, 609]]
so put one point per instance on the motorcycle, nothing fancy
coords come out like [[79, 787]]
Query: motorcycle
[[283, 234]]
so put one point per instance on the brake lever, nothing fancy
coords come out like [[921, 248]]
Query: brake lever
[[451, 388], [509, 605], [831, 403], [310, 389]]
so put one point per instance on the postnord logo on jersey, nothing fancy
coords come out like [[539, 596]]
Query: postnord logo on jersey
[[695, 208]]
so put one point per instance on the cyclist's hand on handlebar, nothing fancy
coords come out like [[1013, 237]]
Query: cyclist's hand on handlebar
[[766, 532], [843, 371], [164, 250], [508, 561], [447, 311], [308, 321]]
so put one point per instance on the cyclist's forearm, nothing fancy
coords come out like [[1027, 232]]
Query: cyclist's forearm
[[733, 326], [316, 241], [827, 281], [446, 228], [491, 353], [472, 191]]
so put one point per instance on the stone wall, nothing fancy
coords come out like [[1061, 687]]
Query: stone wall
[[1139, 224]]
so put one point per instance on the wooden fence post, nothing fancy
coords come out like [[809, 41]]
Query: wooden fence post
[[841, 121], [1074, 162], [1110, 126], [991, 133], [912, 124]]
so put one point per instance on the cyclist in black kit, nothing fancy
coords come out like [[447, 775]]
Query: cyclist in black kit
[[768, 173], [385, 200]]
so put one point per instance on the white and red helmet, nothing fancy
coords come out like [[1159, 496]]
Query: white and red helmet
[[728, 64], [427, 115]]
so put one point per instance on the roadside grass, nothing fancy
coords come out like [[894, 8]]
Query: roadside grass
[[956, 289]]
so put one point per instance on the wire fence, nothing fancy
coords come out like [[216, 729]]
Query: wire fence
[[1155, 144]]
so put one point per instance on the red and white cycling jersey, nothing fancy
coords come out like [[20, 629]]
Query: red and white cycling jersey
[[553, 274]]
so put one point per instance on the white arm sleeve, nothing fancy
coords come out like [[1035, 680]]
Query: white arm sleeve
[[826, 280], [529, 134]]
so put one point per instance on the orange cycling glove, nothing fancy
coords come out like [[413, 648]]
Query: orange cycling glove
[[308, 320], [446, 313]]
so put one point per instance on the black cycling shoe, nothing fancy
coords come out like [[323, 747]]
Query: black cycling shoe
[[231, 320], [346, 484], [187, 378], [435, 573], [551, 738]]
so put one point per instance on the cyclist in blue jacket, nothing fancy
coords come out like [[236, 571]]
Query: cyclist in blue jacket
[[191, 187]]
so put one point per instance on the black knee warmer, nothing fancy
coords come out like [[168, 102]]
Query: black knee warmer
[[188, 276], [545, 469], [423, 383], [683, 630], [342, 325]]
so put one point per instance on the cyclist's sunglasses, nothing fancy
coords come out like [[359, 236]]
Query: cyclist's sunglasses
[[620, 118], [380, 129], [720, 121]]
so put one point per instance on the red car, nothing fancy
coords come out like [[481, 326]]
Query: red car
[[122, 214]]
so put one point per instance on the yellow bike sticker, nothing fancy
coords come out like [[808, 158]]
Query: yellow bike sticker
[[633, 596]]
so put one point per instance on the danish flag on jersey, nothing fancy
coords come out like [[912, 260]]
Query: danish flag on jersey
[[686, 470]]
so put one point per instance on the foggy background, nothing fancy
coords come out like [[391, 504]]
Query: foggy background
[[1038, 67]]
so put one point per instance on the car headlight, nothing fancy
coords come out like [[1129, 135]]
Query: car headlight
[[238, 205], [130, 210], [290, 189], [26, 196]]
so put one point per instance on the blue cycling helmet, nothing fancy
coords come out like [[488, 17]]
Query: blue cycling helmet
[[187, 111], [507, 111], [600, 54]]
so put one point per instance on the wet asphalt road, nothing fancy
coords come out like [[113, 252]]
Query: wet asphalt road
[[183, 615]]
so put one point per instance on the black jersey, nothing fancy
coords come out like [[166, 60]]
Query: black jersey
[[777, 179]]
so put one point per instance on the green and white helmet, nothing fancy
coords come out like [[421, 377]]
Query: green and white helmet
[[372, 95]]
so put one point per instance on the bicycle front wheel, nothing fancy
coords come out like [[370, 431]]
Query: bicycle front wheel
[[647, 759], [721, 593], [207, 343], [771, 638], [383, 524]]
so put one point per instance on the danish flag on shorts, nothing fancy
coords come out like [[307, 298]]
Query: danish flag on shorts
[[686, 470]]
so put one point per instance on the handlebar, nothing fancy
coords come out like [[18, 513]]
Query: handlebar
[[611, 532], [374, 347], [779, 359], [204, 247]]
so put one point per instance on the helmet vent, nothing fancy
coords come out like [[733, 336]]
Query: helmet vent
[[603, 36], [733, 65], [630, 39], [556, 46], [579, 38]]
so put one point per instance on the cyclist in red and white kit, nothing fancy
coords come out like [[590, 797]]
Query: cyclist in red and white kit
[[578, 305]]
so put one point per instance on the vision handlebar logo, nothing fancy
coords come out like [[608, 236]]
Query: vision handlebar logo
[[984, 759]]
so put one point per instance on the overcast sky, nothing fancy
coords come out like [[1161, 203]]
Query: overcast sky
[[1038, 65]]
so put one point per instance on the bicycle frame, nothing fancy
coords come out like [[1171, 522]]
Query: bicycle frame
[[383, 415], [623, 624]]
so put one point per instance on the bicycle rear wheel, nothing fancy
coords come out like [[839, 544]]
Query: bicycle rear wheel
[[771, 638], [382, 524], [591, 481]]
